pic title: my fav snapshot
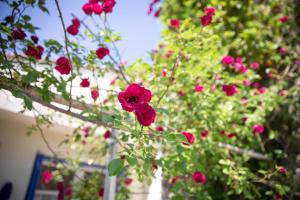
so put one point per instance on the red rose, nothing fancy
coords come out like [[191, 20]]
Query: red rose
[[101, 192], [63, 66], [102, 52], [31, 51], [174, 179], [254, 65], [230, 90], [86, 130], [128, 181], [35, 52], [231, 135], [282, 170], [60, 196], [189, 137], [175, 23], [238, 66], [181, 93], [134, 95], [164, 72], [73, 30], [34, 38], [47, 177], [159, 129], [97, 8], [94, 94], [107, 134], [244, 119], [246, 82], [199, 177], [283, 19], [85, 82], [60, 186], [258, 129], [222, 133], [18, 34], [108, 5], [256, 85], [87, 8], [282, 51], [157, 13], [199, 88], [262, 90], [76, 22], [210, 11], [204, 133], [227, 60], [40, 51], [206, 20], [145, 114]]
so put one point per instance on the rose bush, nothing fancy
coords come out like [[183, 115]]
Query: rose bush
[[204, 102]]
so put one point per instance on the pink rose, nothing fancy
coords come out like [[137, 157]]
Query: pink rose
[[189, 137], [230, 90], [227, 60], [199, 177], [258, 129]]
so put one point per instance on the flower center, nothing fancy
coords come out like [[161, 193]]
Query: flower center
[[133, 99]]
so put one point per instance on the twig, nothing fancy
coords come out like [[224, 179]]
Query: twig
[[170, 80], [66, 47], [39, 100]]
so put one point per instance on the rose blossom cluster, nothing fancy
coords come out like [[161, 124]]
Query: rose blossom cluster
[[207, 18], [18, 34], [63, 65], [34, 51], [198, 177], [237, 64], [175, 23], [135, 99], [73, 29], [93, 6]]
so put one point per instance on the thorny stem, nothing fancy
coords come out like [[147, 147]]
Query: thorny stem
[[66, 47], [171, 79]]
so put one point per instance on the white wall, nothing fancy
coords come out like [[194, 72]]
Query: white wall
[[18, 151]]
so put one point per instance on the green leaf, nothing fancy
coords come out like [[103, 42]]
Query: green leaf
[[30, 77], [171, 137], [132, 161], [28, 103], [115, 167]]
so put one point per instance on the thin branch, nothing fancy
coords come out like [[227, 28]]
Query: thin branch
[[66, 47], [170, 80], [38, 99], [250, 153]]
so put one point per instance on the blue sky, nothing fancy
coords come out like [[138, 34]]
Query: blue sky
[[140, 32]]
